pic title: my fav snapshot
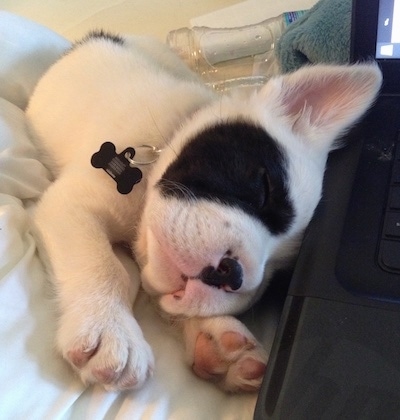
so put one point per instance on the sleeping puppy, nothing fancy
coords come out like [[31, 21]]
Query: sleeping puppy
[[212, 193]]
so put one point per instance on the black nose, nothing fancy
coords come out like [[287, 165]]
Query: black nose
[[228, 273]]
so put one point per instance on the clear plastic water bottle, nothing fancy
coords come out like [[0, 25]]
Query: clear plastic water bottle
[[232, 57]]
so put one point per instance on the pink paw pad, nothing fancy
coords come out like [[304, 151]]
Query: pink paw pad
[[207, 362], [251, 368], [105, 375], [233, 341], [79, 357], [233, 361]]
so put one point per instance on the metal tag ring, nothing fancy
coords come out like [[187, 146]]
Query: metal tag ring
[[153, 149]]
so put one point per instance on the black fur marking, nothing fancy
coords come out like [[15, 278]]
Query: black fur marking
[[238, 164], [100, 34]]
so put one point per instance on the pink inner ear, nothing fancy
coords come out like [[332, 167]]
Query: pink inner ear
[[321, 102], [320, 98]]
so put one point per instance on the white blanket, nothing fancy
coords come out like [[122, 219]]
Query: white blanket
[[35, 383]]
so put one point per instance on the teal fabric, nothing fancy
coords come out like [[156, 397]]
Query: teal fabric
[[322, 35]]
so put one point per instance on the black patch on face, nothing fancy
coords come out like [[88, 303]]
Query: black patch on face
[[238, 164]]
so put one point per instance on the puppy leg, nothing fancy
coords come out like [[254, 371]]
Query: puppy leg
[[97, 333], [222, 350]]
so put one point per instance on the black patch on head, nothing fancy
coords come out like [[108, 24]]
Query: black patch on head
[[238, 164], [100, 35]]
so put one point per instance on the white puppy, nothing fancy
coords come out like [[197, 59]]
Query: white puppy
[[224, 205]]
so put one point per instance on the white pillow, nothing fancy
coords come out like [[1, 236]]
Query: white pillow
[[27, 49]]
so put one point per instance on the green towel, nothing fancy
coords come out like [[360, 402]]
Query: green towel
[[322, 35]]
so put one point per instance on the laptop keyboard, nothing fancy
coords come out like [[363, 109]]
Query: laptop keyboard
[[389, 249]]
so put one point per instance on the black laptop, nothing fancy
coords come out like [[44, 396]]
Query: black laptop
[[336, 354]]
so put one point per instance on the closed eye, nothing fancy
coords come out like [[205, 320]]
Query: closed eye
[[258, 191]]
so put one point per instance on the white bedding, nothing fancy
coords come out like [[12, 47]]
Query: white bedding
[[35, 383]]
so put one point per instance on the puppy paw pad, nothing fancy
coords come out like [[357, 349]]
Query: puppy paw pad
[[105, 375], [235, 362], [232, 341], [79, 357], [251, 369], [207, 364]]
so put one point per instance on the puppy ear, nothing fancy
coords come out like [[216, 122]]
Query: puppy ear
[[322, 101]]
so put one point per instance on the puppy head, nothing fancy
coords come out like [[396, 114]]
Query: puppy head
[[239, 183]]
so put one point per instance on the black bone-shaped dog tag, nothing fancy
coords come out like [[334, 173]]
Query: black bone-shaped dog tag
[[117, 166]]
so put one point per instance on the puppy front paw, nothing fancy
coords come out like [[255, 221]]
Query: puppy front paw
[[108, 350], [230, 356]]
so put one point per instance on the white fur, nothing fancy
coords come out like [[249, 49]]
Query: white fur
[[144, 95]]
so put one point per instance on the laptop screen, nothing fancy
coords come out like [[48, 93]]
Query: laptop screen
[[388, 33], [376, 34]]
